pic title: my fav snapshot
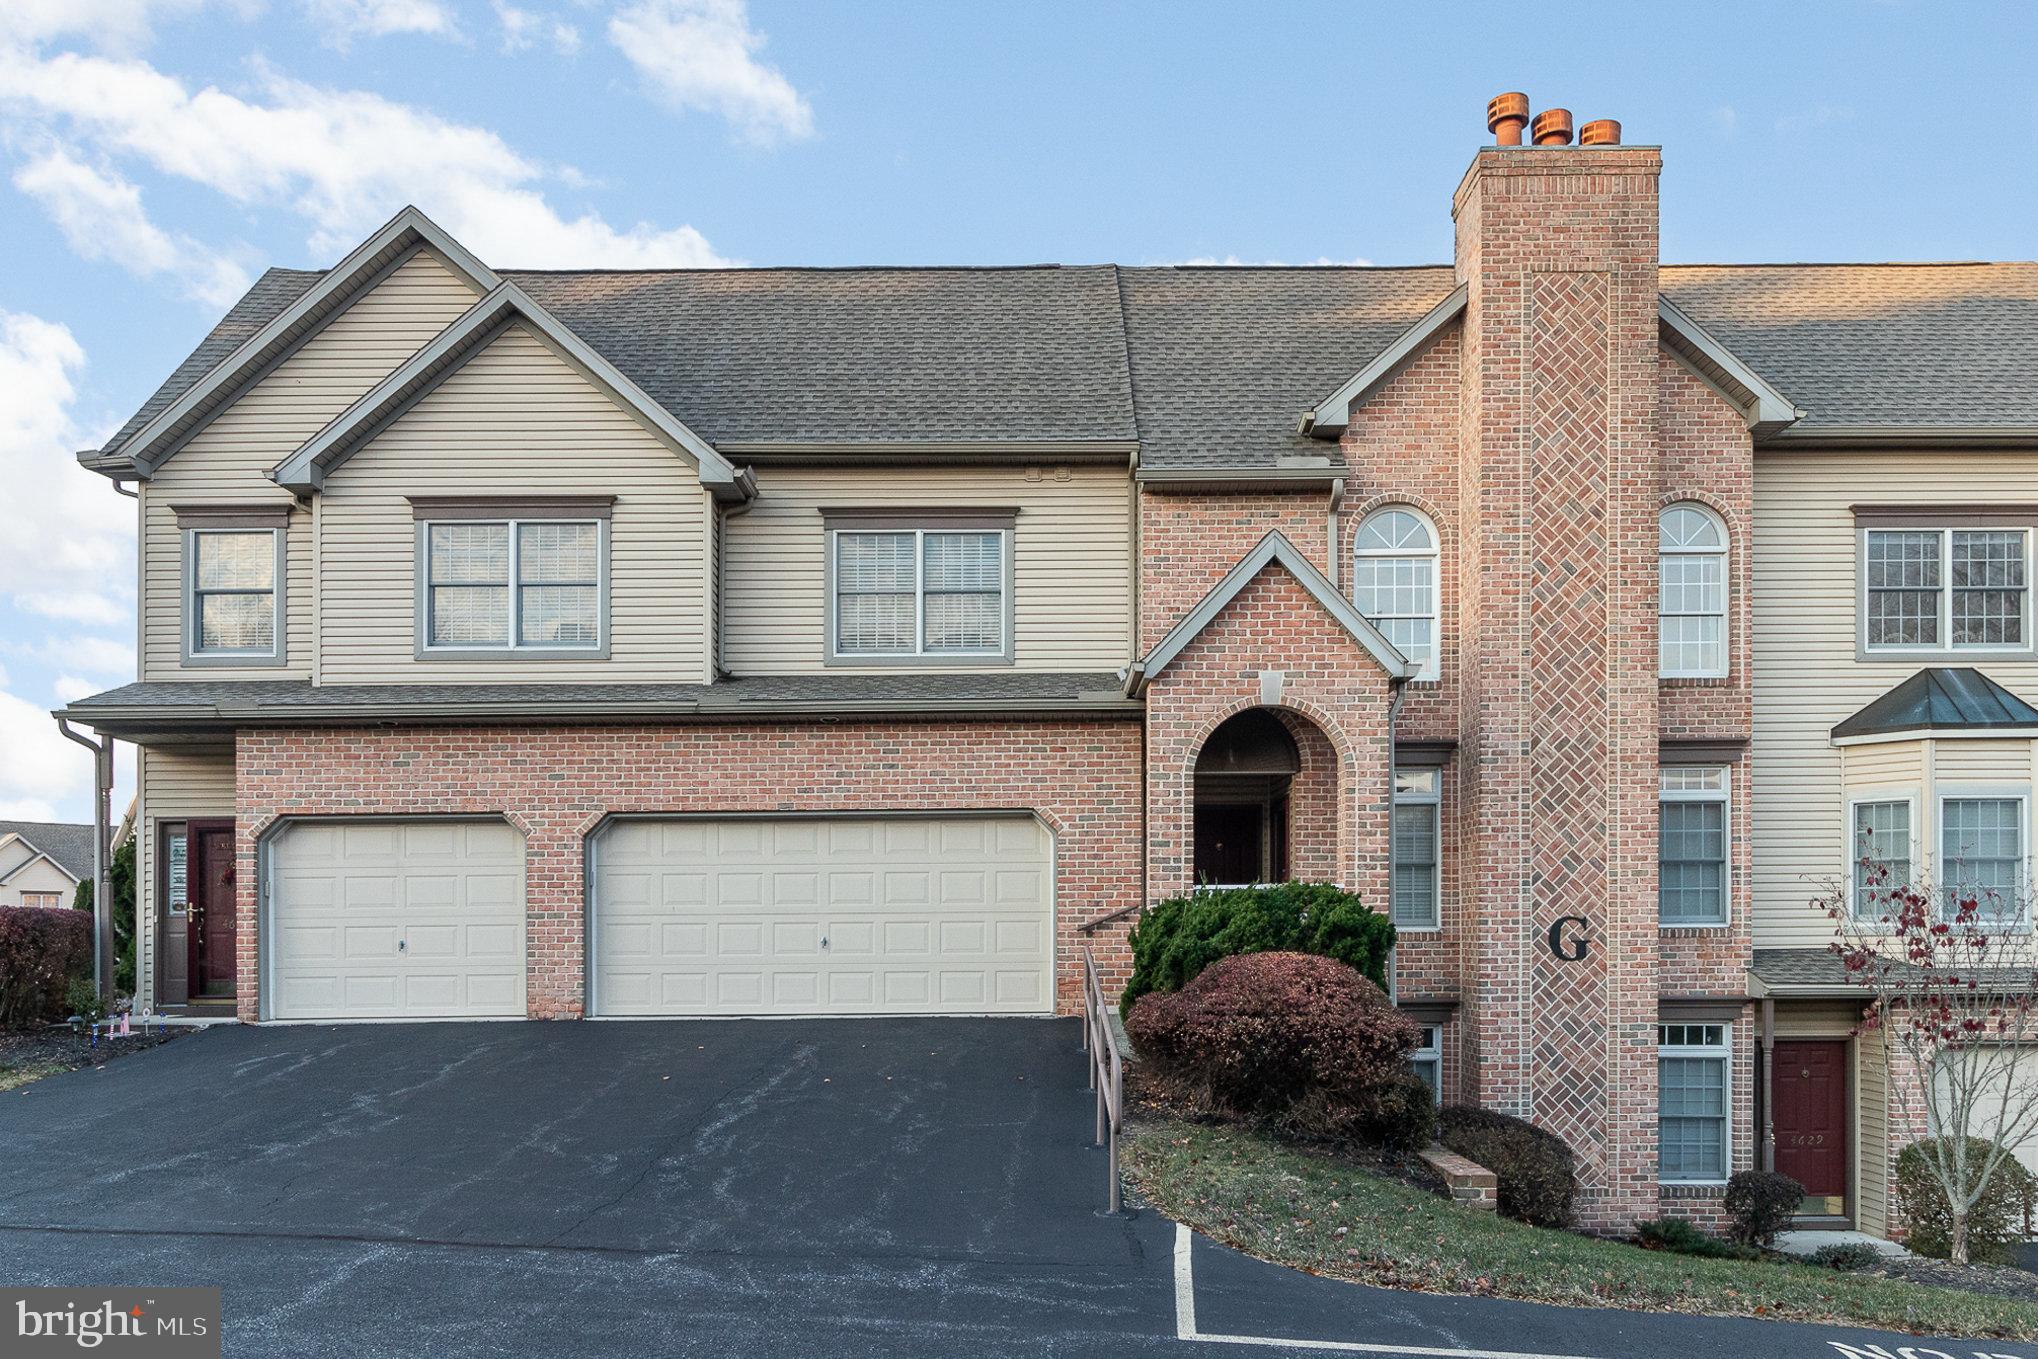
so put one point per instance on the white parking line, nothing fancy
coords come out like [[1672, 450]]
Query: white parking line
[[1185, 1323]]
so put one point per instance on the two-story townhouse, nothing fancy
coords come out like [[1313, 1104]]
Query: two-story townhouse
[[786, 641]]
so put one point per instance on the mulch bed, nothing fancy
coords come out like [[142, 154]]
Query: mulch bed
[[1997, 1281], [56, 1048]]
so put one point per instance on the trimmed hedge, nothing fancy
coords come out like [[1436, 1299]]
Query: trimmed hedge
[[1759, 1204], [41, 950], [1995, 1225], [1537, 1174], [1301, 1042], [1173, 942]]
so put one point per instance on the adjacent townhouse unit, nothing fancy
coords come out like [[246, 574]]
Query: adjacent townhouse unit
[[42, 862], [857, 641]]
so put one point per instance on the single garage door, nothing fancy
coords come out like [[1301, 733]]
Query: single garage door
[[396, 920], [823, 915]]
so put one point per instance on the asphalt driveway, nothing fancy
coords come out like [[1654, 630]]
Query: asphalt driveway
[[830, 1188]]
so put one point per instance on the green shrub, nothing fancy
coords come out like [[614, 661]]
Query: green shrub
[[1995, 1225], [1846, 1255], [1537, 1174], [1179, 937], [1301, 1042], [1681, 1237], [83, 1000], [1761, 1203], [1401, 1113]]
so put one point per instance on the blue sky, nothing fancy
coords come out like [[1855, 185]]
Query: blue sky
[[157, 154]]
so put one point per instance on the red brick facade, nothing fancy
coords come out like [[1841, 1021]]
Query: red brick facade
[[556, 784]]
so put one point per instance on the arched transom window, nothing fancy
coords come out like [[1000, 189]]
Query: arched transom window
[[1394, 582], [1691, 562]]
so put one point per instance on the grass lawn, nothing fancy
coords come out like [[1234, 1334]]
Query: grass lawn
[[20, 1074], [1327, 1216]]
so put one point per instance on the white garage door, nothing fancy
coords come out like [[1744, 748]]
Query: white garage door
[[875, 915], [396, 920]]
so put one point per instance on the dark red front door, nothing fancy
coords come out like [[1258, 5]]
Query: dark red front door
[[210, 868], [1228, 845], [1809, 1085]]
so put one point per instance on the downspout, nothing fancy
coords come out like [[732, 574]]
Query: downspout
[[1138, 642], [1337, 500], [1765, 1081], [102, 905]]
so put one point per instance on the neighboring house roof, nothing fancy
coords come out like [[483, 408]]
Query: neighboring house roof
[[67, 846], [452, 347], [1942, 700], [1208, 369], [234, 703], [1271, 549], [1805, 969]]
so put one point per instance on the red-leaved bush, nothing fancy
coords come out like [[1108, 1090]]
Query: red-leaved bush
[[1298, 1040], [41, 949]]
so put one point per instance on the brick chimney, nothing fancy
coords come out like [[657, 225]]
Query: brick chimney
[[1557, 245]]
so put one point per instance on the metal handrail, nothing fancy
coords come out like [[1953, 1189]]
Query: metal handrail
[[1107, 1066]]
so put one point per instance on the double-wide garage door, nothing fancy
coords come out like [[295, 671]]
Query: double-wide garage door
[[823, 915], [396, 920]]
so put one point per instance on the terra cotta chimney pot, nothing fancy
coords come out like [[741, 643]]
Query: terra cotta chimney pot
[[1506, 115], [1600, 132], [1552, 127]]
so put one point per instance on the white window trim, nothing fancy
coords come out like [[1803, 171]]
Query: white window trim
[[999, 655], [1726, 610], [1725, 797], [1434, 801], [515, 647], [1942, 793], [196, 654], [1945, 646], [56, 900], [1431, 1050], [1431, 668], [1724, 1054], [1849, 849]]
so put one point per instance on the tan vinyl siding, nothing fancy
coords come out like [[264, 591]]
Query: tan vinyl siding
[[174, 785], [1072, 559], [1871, 1104], [228, 460], [1806, 675], [516, 419], [2007, 762]]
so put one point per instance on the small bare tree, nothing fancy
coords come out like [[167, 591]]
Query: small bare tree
[[1953, 972]]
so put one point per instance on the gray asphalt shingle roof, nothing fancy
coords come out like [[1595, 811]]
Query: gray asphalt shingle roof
[[70, 845], [1206, 367], [1941, 698]]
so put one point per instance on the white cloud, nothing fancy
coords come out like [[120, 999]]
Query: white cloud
[[101, 215], [341, 21], [702, 55], [115, 25], [75, 606], [69, 688], [42, 767], [343, 159], [64, 533], [105, 658], [523, 29]]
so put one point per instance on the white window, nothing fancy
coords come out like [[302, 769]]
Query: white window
[[1693, 1083], [1982, 854], [1394, 582], [232, 592], [1691, 573], [1428, 1060], [512, 585], [176, 872], [1931, 589], [1417, 821], [1880, 864], [1692, 845], [921, 592], [47, 900]]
